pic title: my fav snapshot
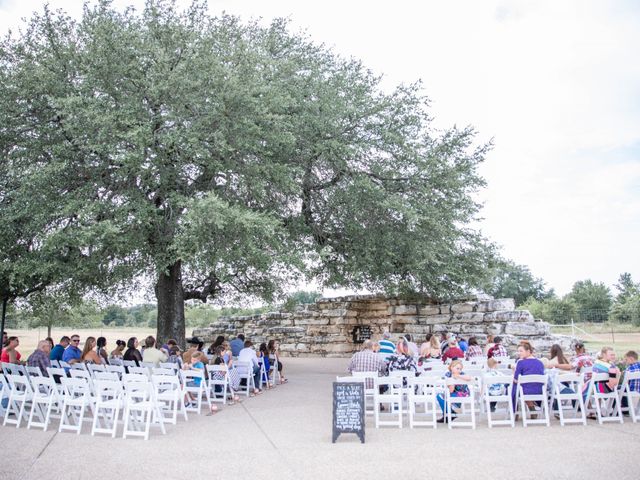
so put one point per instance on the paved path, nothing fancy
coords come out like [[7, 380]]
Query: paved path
[[286, 434]]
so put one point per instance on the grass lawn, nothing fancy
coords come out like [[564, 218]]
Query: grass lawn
[[621, 337]]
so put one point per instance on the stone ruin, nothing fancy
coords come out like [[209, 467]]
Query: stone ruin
[[336, 327]]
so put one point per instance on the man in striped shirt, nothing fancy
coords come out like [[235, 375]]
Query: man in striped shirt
[[387, 347]]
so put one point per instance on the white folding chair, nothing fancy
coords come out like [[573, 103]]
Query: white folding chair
[[108, 402], [80, 366], [110, 376], [500, 398], [117, 362], [273, 367], [33, 371], [569, 402], [77, 373], [422, 401], [96, 368], [141, 408], [46, 397], [528, 414], [466, 406], [390, 399], [119, 369], [13, 369], [164, 371], [194, 384], [607, 404], [55, 363], [148, 364], [4, 393], [245, 372], [632, 396], [170, 397], [169, 365], [20, 394], [129, 363], [219, 384], [64, 365], [264, 376], [369, 390], [139, 371], [77, 399]]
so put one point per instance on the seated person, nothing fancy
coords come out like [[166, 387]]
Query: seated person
[[633, 365], [453, 352], [557, 359], [527, 365], [498, 350], [151, 353], [40, 357], [606, 363], [473, 350], [89, 355], [248, 355], [455, 371]]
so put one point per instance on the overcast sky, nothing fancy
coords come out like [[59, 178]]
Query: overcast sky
[[556, 84]]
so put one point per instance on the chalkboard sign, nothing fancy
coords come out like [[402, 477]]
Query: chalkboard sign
[[348, 409], [361, 333]]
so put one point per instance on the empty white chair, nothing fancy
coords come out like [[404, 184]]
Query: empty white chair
[[148, 364], [465, 405], [566, 397], [20, 393], [96, 368], [170, 365], [119, 369], [46, 397], [83, 374], [632, 396], [77, 399], [390, 400], [273, 368], [57, 373], [33, 371], [108, 402], [422, 401], [113, 376], [55, 363], [496, 390], [116, 361], [195, 386], [79, 366], [141, 409], [139, 371], [164, 371], [170, 397], [607, 404], [529, 414]]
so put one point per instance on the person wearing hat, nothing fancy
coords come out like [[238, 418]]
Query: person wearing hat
[[194, 344]]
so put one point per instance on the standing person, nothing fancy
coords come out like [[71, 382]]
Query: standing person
[[72, 354], [9, 353], [58, 351], [119, 350], [89, 355], [237, 344], [527, 365], [151, 353], [273, 347], [387, 347], [101, 347], [132, 353], [40, 357]]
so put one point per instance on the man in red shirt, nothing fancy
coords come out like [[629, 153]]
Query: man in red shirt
[[453, 352]]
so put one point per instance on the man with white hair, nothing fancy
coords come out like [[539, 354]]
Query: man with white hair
[[366, 360], [40, 357], [387, 347]]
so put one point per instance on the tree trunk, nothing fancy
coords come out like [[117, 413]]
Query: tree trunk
[[49, 330], [170, 298]]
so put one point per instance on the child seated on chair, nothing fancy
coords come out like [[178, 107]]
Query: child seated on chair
[[196, 363], [494, 389], [455, 372]]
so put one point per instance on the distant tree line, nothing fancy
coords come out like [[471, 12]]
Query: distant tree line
[[587, 301]]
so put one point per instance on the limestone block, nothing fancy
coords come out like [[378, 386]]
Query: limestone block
[[311, 321], [406, 319], [405, 310], [338, 348], [449, 327], [496, 305], [495, 328], [438, 319], [509, 316], [417, 329], [469, 317], [472, 329], [335, 312], [524, 329], [465, 307], [426, 310], [286, 330]]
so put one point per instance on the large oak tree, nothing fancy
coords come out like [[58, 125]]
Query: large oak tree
[[224, 158]]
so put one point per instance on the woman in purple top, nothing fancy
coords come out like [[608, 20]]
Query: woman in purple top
[[527, 365]]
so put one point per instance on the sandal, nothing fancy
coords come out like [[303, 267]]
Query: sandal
[[283, 380]]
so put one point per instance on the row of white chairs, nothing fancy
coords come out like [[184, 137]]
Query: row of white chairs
[[416, 397]]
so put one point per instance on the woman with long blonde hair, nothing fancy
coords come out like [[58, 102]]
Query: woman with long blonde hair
[[89, 355]]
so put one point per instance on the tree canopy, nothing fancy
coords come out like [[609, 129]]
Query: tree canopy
[[224, 158], [510, 280]]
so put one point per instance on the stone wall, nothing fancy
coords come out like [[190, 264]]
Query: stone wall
[[325, 328]]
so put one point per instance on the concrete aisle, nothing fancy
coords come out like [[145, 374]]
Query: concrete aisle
[[286, 434]]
